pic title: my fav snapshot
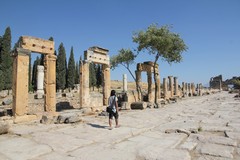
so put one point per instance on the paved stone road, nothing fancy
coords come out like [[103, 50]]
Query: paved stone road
[[199, 128]]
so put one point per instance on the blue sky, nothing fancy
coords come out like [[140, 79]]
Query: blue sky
[[210, 28]]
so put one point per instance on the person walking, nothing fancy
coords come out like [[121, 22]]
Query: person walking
[[113, 104]]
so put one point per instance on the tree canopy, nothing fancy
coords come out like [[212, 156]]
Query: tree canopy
[[125, 57], [161, 42]]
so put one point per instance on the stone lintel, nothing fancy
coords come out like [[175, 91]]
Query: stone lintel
[[147, 66], [36, 44], [95, 57], [100, 50]]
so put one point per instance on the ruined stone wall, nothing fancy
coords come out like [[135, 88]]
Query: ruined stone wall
[[95, 100]]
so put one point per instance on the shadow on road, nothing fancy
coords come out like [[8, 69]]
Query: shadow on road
[[97, 125]]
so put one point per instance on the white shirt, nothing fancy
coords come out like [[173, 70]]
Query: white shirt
[[112, 103]]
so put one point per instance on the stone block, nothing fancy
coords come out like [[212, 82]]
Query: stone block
[[7, 101], [37, 44], [4, 127], [216, 150], [138, 105], [25, 118], [69, 118]]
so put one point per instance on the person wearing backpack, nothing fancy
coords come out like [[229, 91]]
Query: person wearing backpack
[[113, 104]]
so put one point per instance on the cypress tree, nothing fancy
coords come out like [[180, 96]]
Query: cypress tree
[[61, 67], [71, 71], [92, 75], [99, 76], [77, 73], [34, 73], [1, 72], [7, 59], [30, 87]]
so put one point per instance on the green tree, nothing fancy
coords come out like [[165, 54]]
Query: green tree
[[160, 42], [99, 76], [61, 68], [125, 57], [71, 71], [236, 83], [1, 72], [34, 73], [30, 87], [92, 75], [77, 73], [7, 60], [1, 78]]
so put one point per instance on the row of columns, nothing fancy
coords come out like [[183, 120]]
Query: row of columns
[[171, 88]]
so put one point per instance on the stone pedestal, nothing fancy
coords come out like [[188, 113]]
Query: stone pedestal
[[40, 79], [124, 82], [20, 81]]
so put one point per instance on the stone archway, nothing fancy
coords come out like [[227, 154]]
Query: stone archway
[[148, 67], [100, 56], [26, 45]]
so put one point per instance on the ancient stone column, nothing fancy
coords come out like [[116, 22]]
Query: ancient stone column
[[138, 83], [84, 84], [150, 96], [193, 89], [165, 88], [176, 86], [40, 80], [183, 89], [106, 83], [200, 89], [50, 82], [158, 86], [20, 81], [171, 86], [124, 82], [189, 90], [186, 89]]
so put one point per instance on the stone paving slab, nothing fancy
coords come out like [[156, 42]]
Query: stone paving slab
[[215, 150], [22, 148]]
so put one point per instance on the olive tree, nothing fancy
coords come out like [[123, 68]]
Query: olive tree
[[160, 42]]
